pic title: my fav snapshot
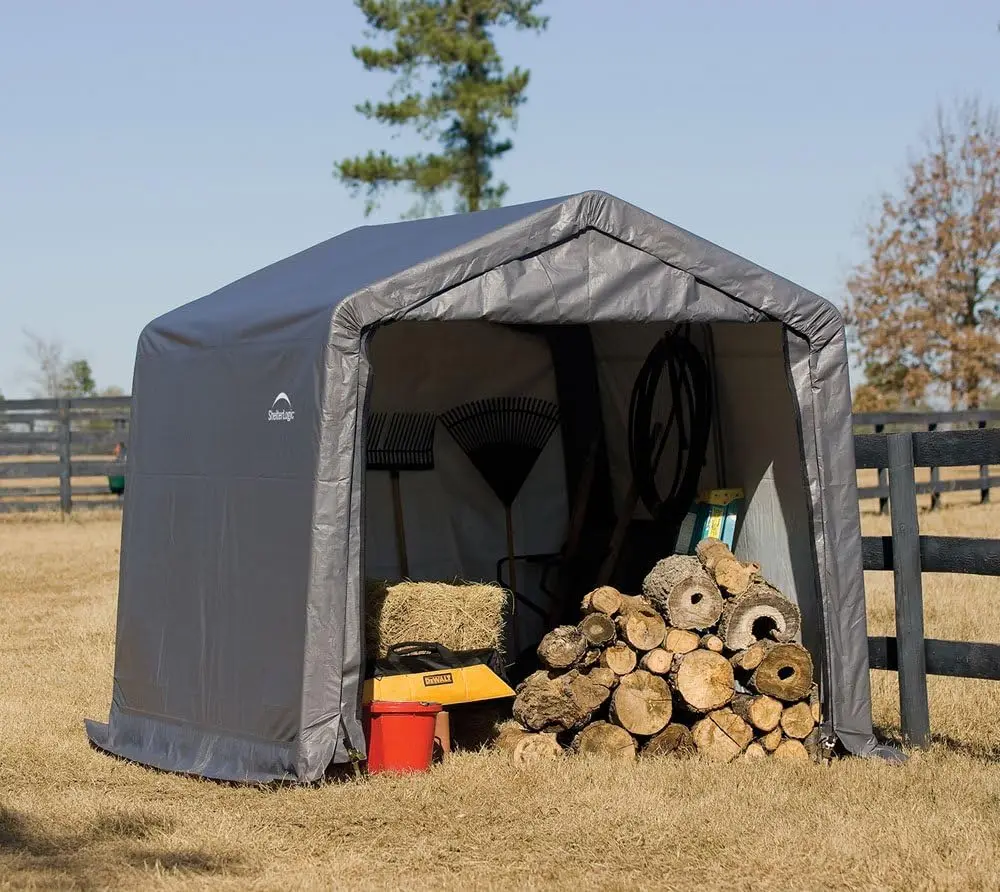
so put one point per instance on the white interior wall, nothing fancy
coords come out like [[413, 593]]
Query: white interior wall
[[761, 441]]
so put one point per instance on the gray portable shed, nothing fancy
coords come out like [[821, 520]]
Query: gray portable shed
[[246, 538]]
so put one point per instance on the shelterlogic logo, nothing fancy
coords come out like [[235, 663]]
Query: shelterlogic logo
[[276, 413]]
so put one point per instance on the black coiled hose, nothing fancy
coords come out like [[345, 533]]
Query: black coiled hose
[[691, 408]]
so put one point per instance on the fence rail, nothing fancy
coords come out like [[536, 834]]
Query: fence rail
[[908, 555], [980, 419]]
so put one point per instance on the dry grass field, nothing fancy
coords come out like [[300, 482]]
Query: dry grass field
[[72, 818]]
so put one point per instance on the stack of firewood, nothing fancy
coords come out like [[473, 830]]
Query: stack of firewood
[[703, 661]]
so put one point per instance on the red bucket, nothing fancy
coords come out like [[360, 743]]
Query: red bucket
[[400, 736]]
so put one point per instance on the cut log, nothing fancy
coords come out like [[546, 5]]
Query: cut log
[[734, 577], [704, 680], [657, 661], [548, 702], [792, 751], [680, 641], [643, 629], [712, 643], [786, 672], [603, 676], [721, 735], [674, 740], [641, 703], [606, 600], [754, 751], [588, 692], [591, 658], [763, 712], [797, 721], [762, 613], [619, 658], [681, 587], [605, 739], [749, 659], [562, 647], [597, 628], [771, 740], [527, 747], [710, 551]]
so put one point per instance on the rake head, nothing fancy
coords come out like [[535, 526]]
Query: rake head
[[503, 438], [400, 441]]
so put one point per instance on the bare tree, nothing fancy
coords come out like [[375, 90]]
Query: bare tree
[[925, 306], [48, 367], [51, 375]]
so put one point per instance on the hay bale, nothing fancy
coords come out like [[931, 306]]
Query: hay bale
[[461, 616]]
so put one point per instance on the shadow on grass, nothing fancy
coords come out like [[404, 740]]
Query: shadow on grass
[[989, 755], [95, 856]]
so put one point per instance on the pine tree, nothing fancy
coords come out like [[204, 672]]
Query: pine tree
[[469, 98]]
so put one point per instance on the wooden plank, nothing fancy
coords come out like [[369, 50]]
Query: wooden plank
[[871, 451], [65, 486], [956, 449], [913, 708], [49, 405], [938, 554], [958, 659], [984, 473], [53, 505], [23, 492], [7, 417], [935, 478], [20, 492], [922, 419], [878, 492], [28, 437], [29, 469], [40, 449], [97, 468]]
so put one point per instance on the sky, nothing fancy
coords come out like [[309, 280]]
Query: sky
[[153, 152]]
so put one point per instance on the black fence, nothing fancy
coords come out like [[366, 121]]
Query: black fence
[[899, 422], [60, 441], [908, 554]]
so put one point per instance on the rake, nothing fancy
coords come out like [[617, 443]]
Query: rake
[[503, 438], [400, 441]]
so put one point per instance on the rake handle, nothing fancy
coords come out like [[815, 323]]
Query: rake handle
[[510, 556], [397, 512]]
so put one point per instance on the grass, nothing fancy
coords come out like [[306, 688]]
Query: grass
[[73, 818]]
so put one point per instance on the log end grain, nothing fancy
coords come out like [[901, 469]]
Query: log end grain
[[704, 680], [597, 628], [674, 740], [619, 658], [562, 647], [761, 613], [681, 587], [642, 703], [786, 673], [606, 600], [791, 751], [658, 661], [797, 721], [605, 739]]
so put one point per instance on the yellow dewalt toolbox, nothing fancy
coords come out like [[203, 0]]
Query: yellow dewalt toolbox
[[416, 671]]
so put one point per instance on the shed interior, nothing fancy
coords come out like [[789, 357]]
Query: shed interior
[[454, 523]]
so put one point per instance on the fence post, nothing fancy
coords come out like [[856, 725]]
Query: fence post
[[984, 476], [913, 709], [65, 492], [935, 477], [883, 479]]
